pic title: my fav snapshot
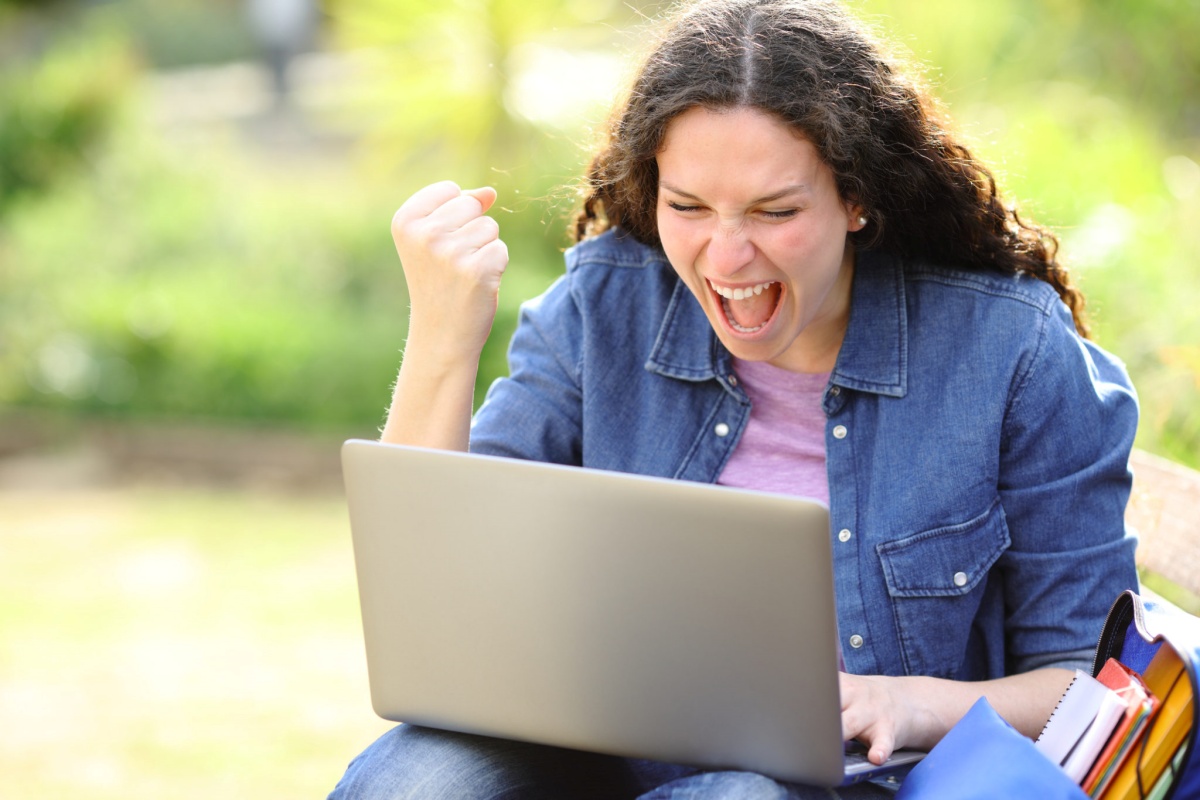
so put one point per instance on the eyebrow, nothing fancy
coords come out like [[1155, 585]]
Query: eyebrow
[[798, 188]]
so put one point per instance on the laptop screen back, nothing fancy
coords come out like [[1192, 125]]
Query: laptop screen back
[[621, 614]]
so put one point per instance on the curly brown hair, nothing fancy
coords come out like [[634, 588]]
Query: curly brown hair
[[812, 65]]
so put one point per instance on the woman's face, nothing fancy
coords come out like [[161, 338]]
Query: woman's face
[[750, 218]]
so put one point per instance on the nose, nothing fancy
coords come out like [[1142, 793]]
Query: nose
[[729, 250]]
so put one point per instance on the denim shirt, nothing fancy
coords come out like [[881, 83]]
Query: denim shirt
[[976, 447]]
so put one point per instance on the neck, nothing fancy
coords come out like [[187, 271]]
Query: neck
[[816, 348]]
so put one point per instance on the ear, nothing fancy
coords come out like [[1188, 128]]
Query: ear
[[856, 217]]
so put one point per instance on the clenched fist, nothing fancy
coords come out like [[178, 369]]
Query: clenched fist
[[453, 259]]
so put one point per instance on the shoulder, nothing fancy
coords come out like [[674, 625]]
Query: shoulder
[[991, 318], [984, 314], [1011, 326], [1017, 294]]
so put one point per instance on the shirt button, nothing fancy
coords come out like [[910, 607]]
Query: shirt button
[[960, 579], [721, 430], [844, 535], [856, 641], [835, 391], [733, 380], [839, 432]]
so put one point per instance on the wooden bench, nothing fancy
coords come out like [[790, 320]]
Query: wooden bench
[[1164, 510]]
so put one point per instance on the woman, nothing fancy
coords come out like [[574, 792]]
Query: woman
[[790, 276]]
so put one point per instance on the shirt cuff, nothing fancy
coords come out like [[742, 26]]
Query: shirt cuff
[[1072, 659]]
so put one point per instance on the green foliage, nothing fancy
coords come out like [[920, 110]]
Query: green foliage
[[219, 285], [156, 288], [1090, 113], [445, 97], [175, 33], [55, 110], [444, 78]]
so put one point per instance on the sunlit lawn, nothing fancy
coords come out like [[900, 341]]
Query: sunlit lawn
[[177, 643]]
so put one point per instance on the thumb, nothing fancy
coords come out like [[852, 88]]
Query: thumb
[[485, 195], [881, 748]]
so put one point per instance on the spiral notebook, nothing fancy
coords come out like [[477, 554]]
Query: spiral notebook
[[1080, 725]]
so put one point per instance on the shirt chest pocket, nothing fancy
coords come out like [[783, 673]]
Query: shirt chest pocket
[[936, 581]]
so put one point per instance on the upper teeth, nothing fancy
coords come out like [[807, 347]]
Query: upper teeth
[[739, 293]]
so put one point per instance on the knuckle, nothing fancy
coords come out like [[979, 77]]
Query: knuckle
[[439, 193], [400, 221], [418, 235], [501, 250]]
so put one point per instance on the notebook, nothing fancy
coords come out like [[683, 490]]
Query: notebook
[[1080, 725], [601, 611]]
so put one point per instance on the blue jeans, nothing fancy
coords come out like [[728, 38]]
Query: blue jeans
[[413, 763]]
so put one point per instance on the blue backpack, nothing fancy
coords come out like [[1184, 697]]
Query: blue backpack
[[984, 758]]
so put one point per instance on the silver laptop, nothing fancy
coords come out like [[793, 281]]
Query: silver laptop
[[600, 611]]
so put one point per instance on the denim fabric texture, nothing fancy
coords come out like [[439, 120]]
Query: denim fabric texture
[[977, 447], [977, 453], [413, 763]]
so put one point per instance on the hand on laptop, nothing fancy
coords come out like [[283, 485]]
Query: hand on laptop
[[880, 712], [888, 713]]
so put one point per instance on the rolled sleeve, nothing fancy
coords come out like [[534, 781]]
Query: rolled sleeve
[[536, 412]]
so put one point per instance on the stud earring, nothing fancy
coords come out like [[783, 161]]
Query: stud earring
[[862, 220]]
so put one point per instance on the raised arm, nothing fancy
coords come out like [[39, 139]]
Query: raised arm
[[453, 258]]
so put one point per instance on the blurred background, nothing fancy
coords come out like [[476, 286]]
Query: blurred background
[[199, 301]]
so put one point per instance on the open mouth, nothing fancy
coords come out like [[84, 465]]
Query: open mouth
[[748, 309]]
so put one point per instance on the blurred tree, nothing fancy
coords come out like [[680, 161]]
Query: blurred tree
[[58, 93], [116, 262], [468, 90], [1080, 104], [1142, 52], [445, 85]]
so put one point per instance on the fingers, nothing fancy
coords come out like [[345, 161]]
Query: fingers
[[486, 196], [427, 200], [441, 208], [882, 746], [855, 711], [479, 232], [868, 714]]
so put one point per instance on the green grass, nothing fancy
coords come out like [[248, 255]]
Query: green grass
[[178, 643]]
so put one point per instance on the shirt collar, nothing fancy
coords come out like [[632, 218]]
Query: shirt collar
[[687, 347], [874, 354], [873, 357]]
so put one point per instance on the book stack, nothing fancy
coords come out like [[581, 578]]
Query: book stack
[[1121, 735]]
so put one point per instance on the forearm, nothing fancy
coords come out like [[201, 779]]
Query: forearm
[[888, 712], [1024, 701], [432, 400], [453, 259]]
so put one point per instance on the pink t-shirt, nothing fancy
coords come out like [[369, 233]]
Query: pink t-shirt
[[783, 446]]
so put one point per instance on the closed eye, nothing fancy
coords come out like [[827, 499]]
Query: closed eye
[[681, 207], [787, 214]]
